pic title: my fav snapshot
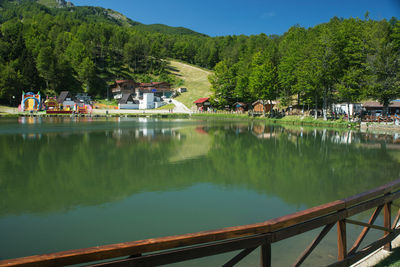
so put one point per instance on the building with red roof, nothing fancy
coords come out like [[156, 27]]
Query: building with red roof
[[123, 87], [203, 104]]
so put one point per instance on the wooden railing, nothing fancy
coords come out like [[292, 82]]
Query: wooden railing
[[368, 118], [247, 238]]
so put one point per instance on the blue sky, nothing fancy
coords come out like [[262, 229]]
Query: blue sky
[[235, 17]]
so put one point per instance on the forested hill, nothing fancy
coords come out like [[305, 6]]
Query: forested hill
[[109, 15], [51, 45], [58, 46]]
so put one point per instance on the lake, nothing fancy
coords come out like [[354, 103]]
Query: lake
[[69, 183]]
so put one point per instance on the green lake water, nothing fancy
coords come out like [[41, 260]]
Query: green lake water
[[75, 183]]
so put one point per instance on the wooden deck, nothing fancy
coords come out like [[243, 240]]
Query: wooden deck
[[247, 238]]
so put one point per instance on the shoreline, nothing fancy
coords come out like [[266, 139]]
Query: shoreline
[[287, 120]]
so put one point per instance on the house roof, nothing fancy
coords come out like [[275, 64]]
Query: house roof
[[150, 88], [239, 104], [127, 97], [374, 104], [201, 100], [152, 84], [266, 103], [63, 95], [124, 81]]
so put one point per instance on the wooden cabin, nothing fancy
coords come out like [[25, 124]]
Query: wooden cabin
[[240, 107], [202, 104], [374, 108], [123, 87], [258, 106], [160, 89]]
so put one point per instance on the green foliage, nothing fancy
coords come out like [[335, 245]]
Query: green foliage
[[223, 83], [384, 77], [331, 62], [85, 48], [263, 78]]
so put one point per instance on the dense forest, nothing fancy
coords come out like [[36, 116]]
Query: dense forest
[[344, 60], [78, 49]]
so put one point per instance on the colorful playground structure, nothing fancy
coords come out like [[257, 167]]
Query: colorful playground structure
[[53, 107], [51, 104], [30, 102], [64, 104]]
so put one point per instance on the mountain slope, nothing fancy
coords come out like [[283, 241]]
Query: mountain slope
[[195, 80], [117, 18], [55, 3], [161, 28]]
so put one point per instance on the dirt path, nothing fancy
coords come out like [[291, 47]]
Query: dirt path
[[179, 107]]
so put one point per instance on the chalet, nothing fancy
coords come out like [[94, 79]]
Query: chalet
[[121, 87], [373, 107], [203, 104], [259, 107], [65, 100], [160, 89], [240, 107], [127, 102]]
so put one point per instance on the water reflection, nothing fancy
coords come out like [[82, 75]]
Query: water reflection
[[50, 168]]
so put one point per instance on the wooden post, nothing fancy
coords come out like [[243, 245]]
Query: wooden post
[[341, 241], [265, 255], [387, 223]]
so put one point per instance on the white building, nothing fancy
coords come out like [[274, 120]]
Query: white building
[[148, 101], [342, 108]]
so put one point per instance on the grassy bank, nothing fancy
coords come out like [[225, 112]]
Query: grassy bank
[[291, 120], [195, 80], [169, 106]]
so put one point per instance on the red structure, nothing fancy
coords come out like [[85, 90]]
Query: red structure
[[202, 104]]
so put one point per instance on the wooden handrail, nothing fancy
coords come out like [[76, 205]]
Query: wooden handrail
[[378, 195]]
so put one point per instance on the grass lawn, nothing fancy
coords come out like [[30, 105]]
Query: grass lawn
[[195, 80], [111, 102], [169, 106]]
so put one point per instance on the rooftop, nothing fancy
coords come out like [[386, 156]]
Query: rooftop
[[201, 100]]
